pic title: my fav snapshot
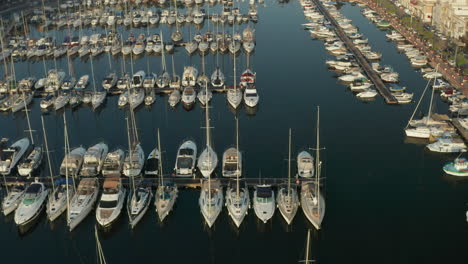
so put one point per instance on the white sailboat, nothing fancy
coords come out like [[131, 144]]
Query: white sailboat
[[166, 193], [234, 94], [208, 159], [82, 202], [34, 158], [312, 200], [211, 200], [287, 199], [135, 158], [237, 197]]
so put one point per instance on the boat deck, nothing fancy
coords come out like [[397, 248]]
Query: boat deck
[[375, 78]]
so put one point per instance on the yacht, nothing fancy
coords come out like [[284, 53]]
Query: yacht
[[287, 199], [189, 76], [113, 163], [234, 97], [208, 159], [111, 203], [152, 163], [54, 81], [61, 101], [149, 81], [204, 96], [11, 156], [174, 98], [82, 82], [217, 78], [163, 79], [123, 99], [110, 81], [73, 162], [94, 159], [13, 198], [232, 163], [247, 77], [123, 82], [186, 158], [264, 202], [57, 202], [138, 201], [188, 96], [83, 201], [150, 96], [191, 47], [448, 144], [134, 161], [211, 200], [136, 98], [68, 84], [251, 97], [98, 98], [32, 203], [137, 79], [305, 165], [31, 163], [21, 102], [458, 167]]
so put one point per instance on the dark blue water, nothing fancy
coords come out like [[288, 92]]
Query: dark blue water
[[387, 201]]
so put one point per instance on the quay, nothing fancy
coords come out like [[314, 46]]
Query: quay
[[461, 130], [435, 60], [375, 78], [192, 182]]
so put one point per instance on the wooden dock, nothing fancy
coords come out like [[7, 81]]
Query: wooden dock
[[375, 78], [194, 182], [461, 130]]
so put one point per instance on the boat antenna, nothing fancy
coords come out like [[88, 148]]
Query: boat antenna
[[289, 165], [238, 157], [317, 161], [160, 162], [47, 152]]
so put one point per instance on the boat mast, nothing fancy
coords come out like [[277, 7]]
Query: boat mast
[[432, 98], [317, 162], [307, 247], [238, 157], [28, 120], [163, 58], [92, 73], [289, 165], [160, 162], [208, 143], [1, 43], [47, 152], [67, 153], [130, 152], [419, 102]]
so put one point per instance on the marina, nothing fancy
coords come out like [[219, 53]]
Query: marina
[[265, 149]]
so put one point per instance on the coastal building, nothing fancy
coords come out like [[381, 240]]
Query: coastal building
[[423, 9], [451, 18]]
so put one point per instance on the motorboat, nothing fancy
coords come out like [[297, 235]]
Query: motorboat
[[73, 162], [149, 81], [32, 203], [247, 77], [138, 201], [94, 160], [68, 84], [186, 158], [367, 94], [110, 81], [150, 96], [305, 164], [75, 99], [211, 200], [13, 198], [152, 163], [123, 82], [11, 156], [458, 167], [57, 202], [47, 102], [448, 144], [264, 202], [82, 202], [189, 76], [188, 96], [111, 203], [137, 79], [31, 163], [134, 161], [232, 163], [82, 82], [251, 97], [113, 163]]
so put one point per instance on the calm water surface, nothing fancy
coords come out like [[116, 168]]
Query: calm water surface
[[387, 201]]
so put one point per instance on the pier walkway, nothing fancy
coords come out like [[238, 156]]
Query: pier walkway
[[375, 78], [181, 182]]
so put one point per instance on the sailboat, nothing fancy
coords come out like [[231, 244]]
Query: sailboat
[[34, 158], [234, 94], [135, 158], [32, 203], [164, 78], [208, 159], [237, 197], [287, 199], [312, 201], [166, 193], [98, 97]]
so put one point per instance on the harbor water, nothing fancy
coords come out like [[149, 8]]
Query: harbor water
[[387, 199]]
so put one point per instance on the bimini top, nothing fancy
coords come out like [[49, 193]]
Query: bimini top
[[62, 181], [264, 191], [111, 183]]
